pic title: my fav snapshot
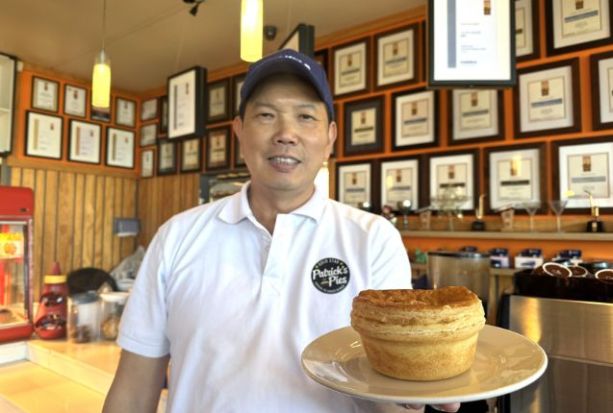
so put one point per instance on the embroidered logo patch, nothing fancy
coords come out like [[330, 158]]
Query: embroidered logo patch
[[330, 275]]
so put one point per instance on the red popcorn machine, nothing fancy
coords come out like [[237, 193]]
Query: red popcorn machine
[[16, 233]]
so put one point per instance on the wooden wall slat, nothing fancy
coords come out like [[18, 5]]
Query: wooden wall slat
[[128, 245], [117, 212], [28, 178], [99, 222], [107, 224], [16, 177], [39, 220], [77, 248], [89, 221], [65, 219], [50, 223]]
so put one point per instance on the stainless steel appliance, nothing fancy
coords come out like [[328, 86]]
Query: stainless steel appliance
[[470, 269], [578, 339]]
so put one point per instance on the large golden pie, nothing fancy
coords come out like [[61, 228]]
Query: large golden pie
[[419, 334]]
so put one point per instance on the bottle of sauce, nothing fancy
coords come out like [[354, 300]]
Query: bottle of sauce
[[50, 320]]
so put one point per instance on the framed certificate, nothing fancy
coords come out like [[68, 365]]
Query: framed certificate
[[43, 135], [354, 184], [237, 85], [601, 68], [167, 158], [163, 129], [475, 115], [577, 24], [471, 43], [147, 160], [149, 109], [351, 68], [582, 168], [453, 180], [239, 161], [125, 112], [364, 126], [120, 148], [219, 100], [414, 119], [75, 101], [45, 94], [526, 30], [84, 141], [148, 134], [186, 103], [218, 148], [515, 175], [400, 182], [8, 83], [397, 56], [301, 39], [191, 158], [548, 99]]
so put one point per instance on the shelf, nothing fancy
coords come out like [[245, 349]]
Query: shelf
[[547, 236]]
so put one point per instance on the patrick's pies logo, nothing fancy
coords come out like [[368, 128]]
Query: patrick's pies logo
[[330, 275]]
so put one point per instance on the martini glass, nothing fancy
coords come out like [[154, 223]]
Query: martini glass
[[531, 208], [557, 206], [405, 208]]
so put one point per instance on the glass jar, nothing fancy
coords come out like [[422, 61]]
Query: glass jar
[[83, 317], [111, 310]]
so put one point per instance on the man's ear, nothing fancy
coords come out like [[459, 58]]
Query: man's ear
[[237, 127], [332, 133]]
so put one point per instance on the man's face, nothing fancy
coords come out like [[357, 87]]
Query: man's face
[[285, 137]]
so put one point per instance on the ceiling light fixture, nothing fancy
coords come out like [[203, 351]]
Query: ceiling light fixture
[[252, 30], [101, 76]]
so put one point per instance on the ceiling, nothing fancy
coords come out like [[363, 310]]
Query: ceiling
[[147, 40]]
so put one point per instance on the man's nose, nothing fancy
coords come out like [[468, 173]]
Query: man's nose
[[286, 133]]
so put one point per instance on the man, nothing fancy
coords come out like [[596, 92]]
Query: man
[[232, 291]]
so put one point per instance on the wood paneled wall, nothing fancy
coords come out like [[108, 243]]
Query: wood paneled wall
[[73, 218], [161, 197]]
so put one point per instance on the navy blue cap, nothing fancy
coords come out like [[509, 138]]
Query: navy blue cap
[[290, 62]]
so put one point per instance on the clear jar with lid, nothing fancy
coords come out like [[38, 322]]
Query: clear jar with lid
[[111, 309], [83, 317]]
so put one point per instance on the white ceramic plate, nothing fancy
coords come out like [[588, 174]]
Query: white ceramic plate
[[505, 362]]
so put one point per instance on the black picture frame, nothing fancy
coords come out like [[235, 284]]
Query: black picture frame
[[45, 102], [163, 129], [477, 68], [497, 105], [370, 114], [76, 112], [321, 57], [149, 109], [113, 148], [238, 160], [167, 157], [218, 111], [237, 84], [123, 122], [343, 56], [472, 186], [413, 75], [493, 204], [214, 137], [36, 120], [431, 136], [534, 13], [72, 140], [601, 92], [143, 154], [521, 103], [100, 115], [187, 93], [196, 145], [371, 167], [551, 37], [8, 76], [301, 39]]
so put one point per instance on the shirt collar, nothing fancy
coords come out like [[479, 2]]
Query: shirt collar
[[237, 208]]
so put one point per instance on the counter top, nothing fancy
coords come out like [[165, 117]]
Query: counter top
[[57, 376]]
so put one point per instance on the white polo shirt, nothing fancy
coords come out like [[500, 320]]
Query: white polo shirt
[[235, 306]]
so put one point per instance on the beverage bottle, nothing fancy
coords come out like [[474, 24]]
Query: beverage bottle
[[50, 320]]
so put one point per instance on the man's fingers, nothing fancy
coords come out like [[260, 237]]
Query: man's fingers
[[449, 407]]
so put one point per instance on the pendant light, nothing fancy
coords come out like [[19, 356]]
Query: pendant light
[[101, 75], [252, 29]]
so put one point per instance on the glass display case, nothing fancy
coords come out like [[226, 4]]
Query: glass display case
[[16, 214]]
